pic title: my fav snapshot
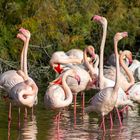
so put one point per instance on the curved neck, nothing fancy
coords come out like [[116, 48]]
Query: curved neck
[[101, 56], [116, 86], [67, 90], [128, 72]]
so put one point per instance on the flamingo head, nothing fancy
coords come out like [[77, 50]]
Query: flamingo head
[[25, 32], [100, 19], [128, 55], [91, 51], [118, 36]]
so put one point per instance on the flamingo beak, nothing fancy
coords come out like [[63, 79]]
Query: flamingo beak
[[91, 18], [77, 77], [130, 62]]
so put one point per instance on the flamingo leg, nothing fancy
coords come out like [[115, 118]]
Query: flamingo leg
[[9, 114], [101, 125], [9, 127], [75, 100], [83, 102], [25, 113], [119, 117], [103, 118], [32, 112], [19, 118], [111, 121]]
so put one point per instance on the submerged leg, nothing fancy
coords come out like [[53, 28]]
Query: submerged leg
[[25, 113], [83, 102], [111, 121], [19, 118], [103, 118], [119, 117], [9, 114], [75, 100]]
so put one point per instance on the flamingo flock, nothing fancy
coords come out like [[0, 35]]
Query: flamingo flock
[[77, 71]]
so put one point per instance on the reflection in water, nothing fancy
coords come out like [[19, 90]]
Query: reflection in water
[[43, 126], [29, 130]]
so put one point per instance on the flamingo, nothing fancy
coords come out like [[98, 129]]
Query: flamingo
[[25, 93], [110, 73], [60, 61], [11, 80], [59, 96], [81, 69], [105, 100]]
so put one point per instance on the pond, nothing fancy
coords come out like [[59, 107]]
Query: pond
[[41, 125]]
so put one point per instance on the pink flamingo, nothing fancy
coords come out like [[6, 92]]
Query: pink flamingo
[[25, 93], [59, 96], [104, 101], [10, 80]]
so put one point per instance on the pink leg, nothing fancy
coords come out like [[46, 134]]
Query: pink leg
[[9, 114], [9, 127], [111, 121], [19, 118], [124, 108], [119, 117], [103, 123], [25, 113], [75, 100], [32, 112], [83, 102]]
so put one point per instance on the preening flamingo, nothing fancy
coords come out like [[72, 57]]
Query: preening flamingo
[[61, 60], [105, 100]]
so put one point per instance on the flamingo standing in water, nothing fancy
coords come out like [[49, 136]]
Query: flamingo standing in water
[[12, 79], [80, 70], [25, 93], [104, 101], [59, 96], [103, 81]]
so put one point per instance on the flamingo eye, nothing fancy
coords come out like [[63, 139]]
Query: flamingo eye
[[24, 96]]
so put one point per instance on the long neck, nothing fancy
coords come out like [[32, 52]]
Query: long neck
[[21, 58], [67, 90], [25, 57], [128, 72], [116, 86], [101, 56]]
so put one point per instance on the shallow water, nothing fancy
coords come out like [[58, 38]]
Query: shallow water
[[43, 126]]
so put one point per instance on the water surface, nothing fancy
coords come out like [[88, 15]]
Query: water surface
[[43, 126]]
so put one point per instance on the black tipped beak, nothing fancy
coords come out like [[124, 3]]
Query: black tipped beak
[[78, 79], [91, 19]]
